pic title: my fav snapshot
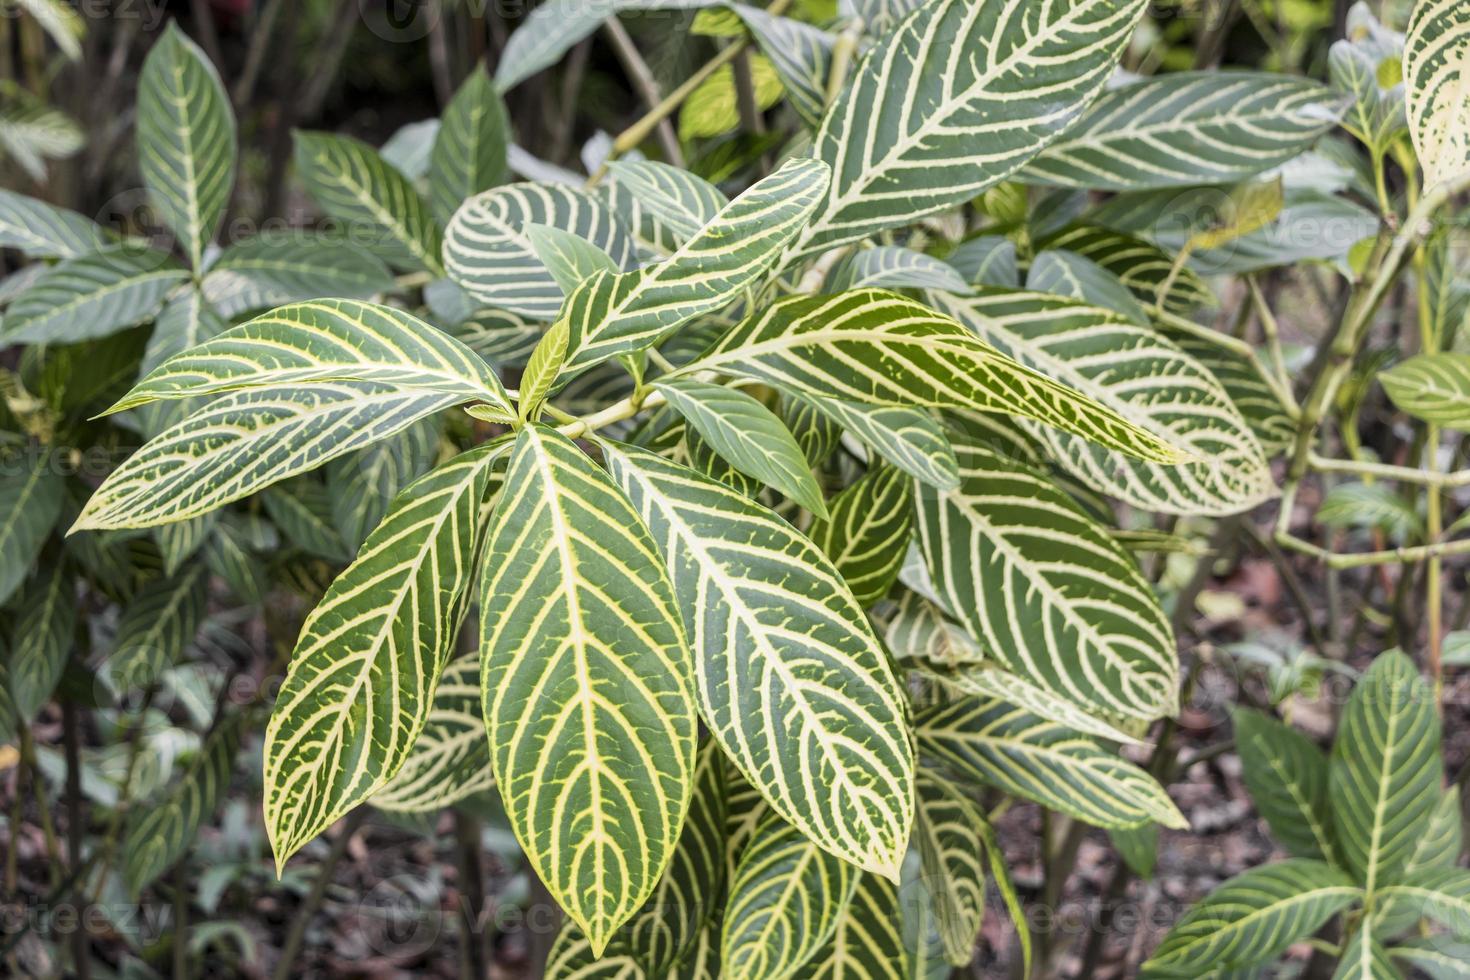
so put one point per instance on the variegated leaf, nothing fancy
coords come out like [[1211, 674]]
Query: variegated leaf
[[362, 679], [1287, 778], [953, 855], [586, 684], [186, 140], [877, 348], [156, 627], [664, 205], [1046, 589], [988, 681], [1142, 267], [1437, 82], [789, 678], [44, 231], [785, 902], [619, 314], [469, 154], [1143, 378], [247, 440], [894, 267], [909, 438], [921, 128], [325, 341], [801, 55], [272, 270], [43, 639], [1183, 129], [1433, 387], [1026, 756], [868, 942], [486, 250], [92, 296], [867, 534], [31, 495]]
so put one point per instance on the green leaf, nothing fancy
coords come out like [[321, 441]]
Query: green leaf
[[470, 150], [894, 267], [1139, 265], [450, 759], [1182, 129], [620, 314], [1138, 847], [271, 270], [785, 902], [1248, 390], [1439, 958], [868, 531], [325, 341], [542, 369], [878, 348], [180, 542], [160, 833], [789, 677], [1365, 958], [909, 438], [953, 855], [361, 683], [1436, 73], [568, 258], [61, 23], [43, 639], [571, 958], [44, 231], [1135, 374], [1035, 759], [90, 297], [867, 943], [801, 55], [712, 109], [488, 253], [918, 131], [247, 440], [302, 510], [353, 184], [1385, 773], [1440, 894], [361, 485], [1432, 387], [987, 260], [987, 681], [157, 625], [664, 204], [586, 684], [31, 495], [1357, 65], [1063, 273], [186, 141], [1372, 506], [1046, 589], [1253, 918], [1286, 775], [748, 435]]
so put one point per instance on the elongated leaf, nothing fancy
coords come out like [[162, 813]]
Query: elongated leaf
[[572, 958], [953, 855], [186, 140], [328, 340], [1439, 958], [868, 942], [894, 267], [362, 679], [1365, 958], [1142, 267], [868, 532], [713, 108], [44, 231], [918, 130], [1287, 778], [1038, 760], [302, 510], [1368, 64], [353, 184], [619, 314], [1441, 894], [1142, 377], [31, 495], [988, 681], [801, 55], [157, 626], [363, 484], [568, 258], [1432, 387], [1385, 773], [1063, 273], [586, 684], [789, 678], [664, 205], [920, 631], [159, 834], [43, 640], [1436, 76], [270, 270], [878, 348], [748, 435], [987, 260], [450, 760], [470, 150], [1253, 917], [1188, 128], [90, 297], [909, 438], [785, 901], [247, 440], [487, 252], [1046, 589]]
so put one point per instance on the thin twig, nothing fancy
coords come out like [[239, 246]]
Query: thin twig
[[642, 78]]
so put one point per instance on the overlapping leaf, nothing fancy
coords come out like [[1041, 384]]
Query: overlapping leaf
[[1437, 77], [921, 128], [31, 495], [1432, 387], [44, 231], [894, 267], [1287, 778], [1024, 755], [868, 531], [327, 340], [988, 681], [246, 441], [662, 204], [361, 683], [953, 855], [877, 348], [270, 270], [618, 314], [157, 626], [1047, 590], [487, 253], [1188, 128], [1141, 377], [789, 678], [90, 297], [909, 438], [586, 684], [43, 639], [868, 942], [186, 140], [801, 55], [1142, 267], [469, 154]]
